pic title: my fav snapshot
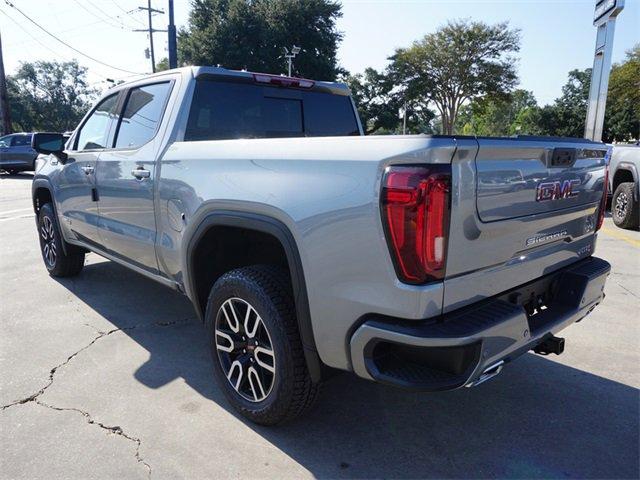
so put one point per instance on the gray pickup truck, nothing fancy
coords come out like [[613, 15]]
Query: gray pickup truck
[[423, 262], [624, 186]]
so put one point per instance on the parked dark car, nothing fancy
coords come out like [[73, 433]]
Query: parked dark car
[[16, 154]]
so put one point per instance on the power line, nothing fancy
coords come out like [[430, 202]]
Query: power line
[[126, 12], [95, 15], [44, 45], [65, 43], [115, 19], [66, 32], [109, 80]]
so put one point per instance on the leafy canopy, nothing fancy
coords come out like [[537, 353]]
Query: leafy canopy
[[251, 34], [622, 116], [494, 116], [48, 96], [460, 62]]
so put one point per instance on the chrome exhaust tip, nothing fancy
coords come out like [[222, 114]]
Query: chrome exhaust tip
[[487, 374]]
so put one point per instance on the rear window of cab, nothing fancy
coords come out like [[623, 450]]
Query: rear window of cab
[[226, 110]]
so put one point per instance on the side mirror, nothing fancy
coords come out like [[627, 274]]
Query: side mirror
[[49, 143]]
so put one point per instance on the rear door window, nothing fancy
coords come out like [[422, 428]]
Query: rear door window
[[142, 114], [225, 110], [21, 141]]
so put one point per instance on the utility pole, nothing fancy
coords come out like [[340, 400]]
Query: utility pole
[[150, 31], [604, 18], [172, 44], [5, 117]]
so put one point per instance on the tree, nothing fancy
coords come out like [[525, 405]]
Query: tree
[[51, 96], [567, 116], [372, 94], [569, 112], [458, 63], [381, 105], [622, 115], [252, 34], [495, 116]]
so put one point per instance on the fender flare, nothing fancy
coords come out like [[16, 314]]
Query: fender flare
[[43, 182], [281, 232], [630, 167]]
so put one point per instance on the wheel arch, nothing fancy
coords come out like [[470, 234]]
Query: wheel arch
[[264, 224], [625, 172], [41, 193]]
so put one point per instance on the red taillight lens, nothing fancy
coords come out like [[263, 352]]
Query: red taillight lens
[[415, 211], [605, 192]]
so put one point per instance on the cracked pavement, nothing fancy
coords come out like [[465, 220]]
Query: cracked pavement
[[108, 376]]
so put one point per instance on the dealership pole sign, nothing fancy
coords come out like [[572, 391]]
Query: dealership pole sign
[[604, 19]]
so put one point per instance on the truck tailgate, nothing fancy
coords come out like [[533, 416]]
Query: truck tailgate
[[521, 208], [533, 177]]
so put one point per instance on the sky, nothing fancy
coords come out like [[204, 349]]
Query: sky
[[557, 35]]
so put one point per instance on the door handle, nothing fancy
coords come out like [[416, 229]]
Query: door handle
[[141, 173], [87, 169]]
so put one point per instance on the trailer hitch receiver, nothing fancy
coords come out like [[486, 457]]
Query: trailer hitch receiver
[[550, 344]]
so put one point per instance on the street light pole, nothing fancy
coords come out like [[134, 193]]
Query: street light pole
[[404, 119], [290, 56]]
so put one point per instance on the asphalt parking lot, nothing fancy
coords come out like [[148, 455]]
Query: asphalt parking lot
[[107, 375]]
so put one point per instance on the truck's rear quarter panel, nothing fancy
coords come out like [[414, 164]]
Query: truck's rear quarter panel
[[326, 191]]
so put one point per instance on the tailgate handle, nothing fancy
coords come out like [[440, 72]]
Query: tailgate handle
[[562, 157]]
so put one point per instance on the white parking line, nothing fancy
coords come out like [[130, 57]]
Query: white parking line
[[2, 214], [18, 217]]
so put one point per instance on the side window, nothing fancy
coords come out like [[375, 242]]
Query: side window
[[142, 115], [95, 131], [21, 141], [5, 141]]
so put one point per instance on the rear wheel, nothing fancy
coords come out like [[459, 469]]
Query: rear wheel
[[58, 263], [624, 208], [257, 353]]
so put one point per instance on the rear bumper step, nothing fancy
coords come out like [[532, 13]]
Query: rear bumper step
[[470, 346]]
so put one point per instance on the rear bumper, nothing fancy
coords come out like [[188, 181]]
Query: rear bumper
[[467, 346]]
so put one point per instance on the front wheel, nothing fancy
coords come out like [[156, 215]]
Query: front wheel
[[624, 208], [255, 344], [60, 262]]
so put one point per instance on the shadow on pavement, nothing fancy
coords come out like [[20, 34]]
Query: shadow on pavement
[[16, 176], [538, 419]]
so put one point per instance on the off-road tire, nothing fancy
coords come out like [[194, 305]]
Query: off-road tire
[[68, 260], [624, 208], [267, 289]]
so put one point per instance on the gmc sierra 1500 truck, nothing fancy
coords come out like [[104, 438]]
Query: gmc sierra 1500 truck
[[423, 262]]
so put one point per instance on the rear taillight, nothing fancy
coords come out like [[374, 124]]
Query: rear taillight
[[415, 210], [605, 192]]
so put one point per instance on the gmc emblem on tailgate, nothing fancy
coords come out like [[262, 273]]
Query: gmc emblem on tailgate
[[556, 190]]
